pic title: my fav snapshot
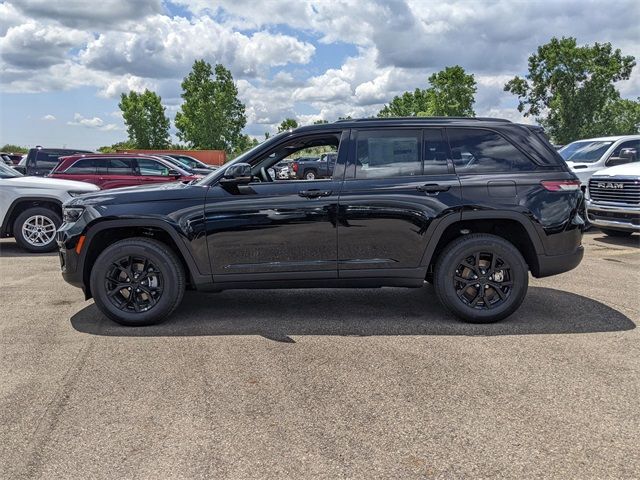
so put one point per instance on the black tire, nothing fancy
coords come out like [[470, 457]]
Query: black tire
[[616, 233], [310, 175], [167, 274], [31, 245], [497, 305]]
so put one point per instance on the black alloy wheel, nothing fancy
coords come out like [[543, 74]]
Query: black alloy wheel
[[137, 281], [481, 278], [134, 284]]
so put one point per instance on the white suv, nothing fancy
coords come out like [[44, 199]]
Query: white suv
[[586, 157], [31, 207]]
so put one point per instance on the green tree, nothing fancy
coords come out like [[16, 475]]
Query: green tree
[[212, 116], [569, 88], [287, 124], [619, 117], [245, 142], [144, 116], [126, 145], [320, 122], [451, 92], [9, 148]]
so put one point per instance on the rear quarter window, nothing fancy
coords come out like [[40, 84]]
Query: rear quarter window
[[484, 151]]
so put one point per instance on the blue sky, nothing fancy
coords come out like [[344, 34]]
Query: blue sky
[[64, 64]]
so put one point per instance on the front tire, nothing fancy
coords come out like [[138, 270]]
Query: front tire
[[481, 278], [35, 229], [616, 233], [137, 281]]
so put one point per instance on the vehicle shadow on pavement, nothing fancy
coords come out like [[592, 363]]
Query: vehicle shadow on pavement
[[280, 314], [632, 241], [10, 249]]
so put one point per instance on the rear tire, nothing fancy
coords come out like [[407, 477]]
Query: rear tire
[[616, 233], [137, 281], [481, 278], [35, 229], [310, 175]]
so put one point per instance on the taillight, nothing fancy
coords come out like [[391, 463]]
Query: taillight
[[561, 185], [295, 167]]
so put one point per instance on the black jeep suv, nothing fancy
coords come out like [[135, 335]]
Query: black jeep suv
[[468, 204]]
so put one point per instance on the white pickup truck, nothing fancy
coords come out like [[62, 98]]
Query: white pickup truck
[[613, 200], [31, 207]]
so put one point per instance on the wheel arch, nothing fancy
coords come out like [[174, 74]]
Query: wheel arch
[[21, 204], [106, 232], [512, 226]]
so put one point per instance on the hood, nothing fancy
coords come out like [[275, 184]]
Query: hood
[[143, 193], [628, 170], [52, 184]]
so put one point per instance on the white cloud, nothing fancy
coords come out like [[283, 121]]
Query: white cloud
[[48, 118], [89, 14], [94, 122]]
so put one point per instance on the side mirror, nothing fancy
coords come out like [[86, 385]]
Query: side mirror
[[237, 174], [627, 155]]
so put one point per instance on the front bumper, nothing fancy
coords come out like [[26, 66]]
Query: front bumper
[[70, 261], [615, 217]]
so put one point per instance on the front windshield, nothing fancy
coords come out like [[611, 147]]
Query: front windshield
[[8, 172], [584, 152]]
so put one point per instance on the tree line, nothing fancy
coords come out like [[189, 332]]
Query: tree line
[[569, 89]]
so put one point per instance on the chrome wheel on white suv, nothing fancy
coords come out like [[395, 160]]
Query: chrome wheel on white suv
[[35, 229]]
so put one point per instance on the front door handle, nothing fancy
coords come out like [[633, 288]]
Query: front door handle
[[314, 193], [433, 188]]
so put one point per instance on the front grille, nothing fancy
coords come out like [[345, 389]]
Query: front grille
[[615, 190]]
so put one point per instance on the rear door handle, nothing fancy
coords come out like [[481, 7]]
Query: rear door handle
[[314, 193], [433, 188]]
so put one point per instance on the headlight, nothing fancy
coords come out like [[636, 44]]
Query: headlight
[[76, 194], [71, 214]]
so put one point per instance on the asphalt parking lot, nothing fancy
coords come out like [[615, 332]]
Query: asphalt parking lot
[[324, 383]]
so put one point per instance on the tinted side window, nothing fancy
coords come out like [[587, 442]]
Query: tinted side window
[[120, 166], [435, 153], [390, 153], [151, 167], [82, 167], [629, 144], [47, 160], [480, 151]]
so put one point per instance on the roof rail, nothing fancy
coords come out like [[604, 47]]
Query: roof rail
[[421, 119]]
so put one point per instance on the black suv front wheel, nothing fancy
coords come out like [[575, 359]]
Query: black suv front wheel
[[137, 281], [481, 278]]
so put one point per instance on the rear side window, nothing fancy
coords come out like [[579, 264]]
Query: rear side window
[[120, 166], [152, 168], [481, 151], [390, 153], [47, 160], [82, 167]]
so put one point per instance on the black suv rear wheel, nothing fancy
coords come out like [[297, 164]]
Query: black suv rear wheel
[[137, 281], [481, 278]]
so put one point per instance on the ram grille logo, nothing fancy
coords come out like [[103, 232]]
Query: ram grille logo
[[613, 185]]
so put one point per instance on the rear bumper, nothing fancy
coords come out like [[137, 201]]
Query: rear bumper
[[553, 264]]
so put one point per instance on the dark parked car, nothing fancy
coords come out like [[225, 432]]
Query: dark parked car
[[310, 168], [119, 170], [192, 162], [396, 211], [40, 161], [11, 158], [186, 166]]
